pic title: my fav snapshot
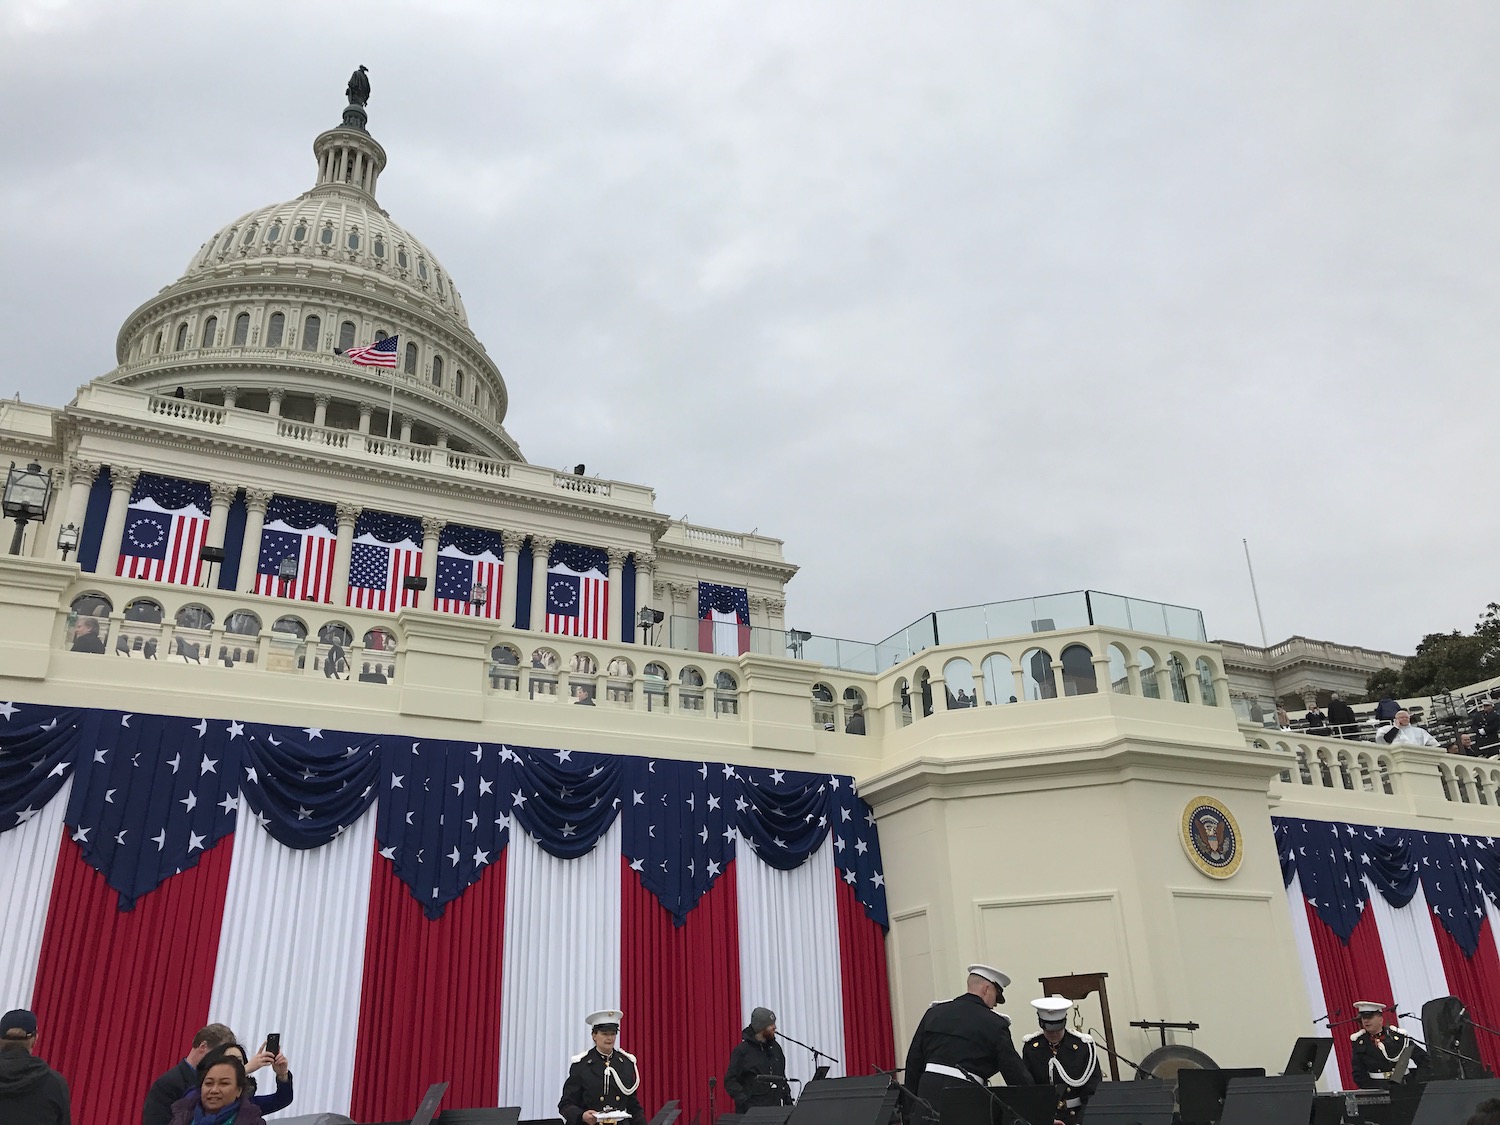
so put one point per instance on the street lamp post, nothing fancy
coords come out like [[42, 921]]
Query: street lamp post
[[67, 539], [28, 493]]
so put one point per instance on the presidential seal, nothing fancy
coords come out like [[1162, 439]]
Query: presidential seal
[[1211, 837]]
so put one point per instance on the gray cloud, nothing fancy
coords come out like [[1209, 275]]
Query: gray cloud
[[965, 303]]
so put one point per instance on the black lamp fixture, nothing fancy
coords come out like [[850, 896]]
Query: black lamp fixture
[[28, 494], [286, 570], [479, 594], [795, 639], [67, 539], [414, 582], [648, 619]]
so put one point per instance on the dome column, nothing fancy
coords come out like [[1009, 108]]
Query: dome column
[[510, 564], [121, 483], [231, 396], [617, 556], [255, 521], [366, 409], [541, 551], [343, 547], [220, 496], [406, 424], [432, 527], [81, 476], [320, 409], [277, 394], [645, 582]]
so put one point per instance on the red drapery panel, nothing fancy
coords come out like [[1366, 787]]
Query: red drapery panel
[[680, 991], [119, 994], [869, 1040], [430, 1003], [1475, 981], [1349, 972]]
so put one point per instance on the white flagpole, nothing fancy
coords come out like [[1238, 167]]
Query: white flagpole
[[391, 410]]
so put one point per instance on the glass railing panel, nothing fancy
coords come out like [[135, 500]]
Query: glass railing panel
[[1184, 623], [962, 625], [1147, 617], [1110, 610]]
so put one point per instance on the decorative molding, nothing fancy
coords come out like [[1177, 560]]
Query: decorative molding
[[366, 409], [775, 606], [512, 541], [541, 545], [80, 470], [645, 561], [321, 399], [683, 592], [256, 499], [123, 478], [347, 512], [277, 394], [432, 526], [222, 492], [756, 602], [617, 557]]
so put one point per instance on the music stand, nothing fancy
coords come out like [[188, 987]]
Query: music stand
[[429, 1103], [999, 1105], [504, 1115], [1309, 1056], [863, 1100], [1453, 1099], [667, 1113], [820, 1074], [1147, 1102], [1201, 1093], [1283, 1099]]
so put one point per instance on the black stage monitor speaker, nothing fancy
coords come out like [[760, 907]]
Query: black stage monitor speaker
[[667, 1113], [211, 554], [1131, 1103], [1451, 1049], [505, 1115], [1201, 1093], [864, 1100], [1284, 1099], [999, 1105], [1451, 1101], [1309, 1056], [767, 1115]]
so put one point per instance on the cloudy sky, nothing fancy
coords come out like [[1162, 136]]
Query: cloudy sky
[[965, 302]]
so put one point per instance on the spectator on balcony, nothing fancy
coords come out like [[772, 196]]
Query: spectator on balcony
[[1257, 713], [1317, 722], [582, 696], [1283, 720], [856, 723], [1403, 732], [1464, 746], [1385, 710], [1487, 730], [1341, 716], [86, 636]]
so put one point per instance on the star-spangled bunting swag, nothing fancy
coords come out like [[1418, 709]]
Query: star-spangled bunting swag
[[152, 793], [1338, 864]]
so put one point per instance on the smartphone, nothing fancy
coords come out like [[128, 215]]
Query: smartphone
[[273, 1043]]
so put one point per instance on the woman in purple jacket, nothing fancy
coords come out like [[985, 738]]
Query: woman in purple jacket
[[265, 1103]]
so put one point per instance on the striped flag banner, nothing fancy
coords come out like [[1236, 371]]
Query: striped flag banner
[[165, 529], [387, 550], [469, 559], [578, 591], [302, 530]]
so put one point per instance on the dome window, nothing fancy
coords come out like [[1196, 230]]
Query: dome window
[[241, 329], [458, 382], [273, 235], [227, 243], [326, 235], [210, 331], [156, 349], [353, 240], [312, 328], [299, 234], [249, 235], [181, 336], [381, 334], [276, 330], [379, 247], [437, 370], [422, 268], [401, 259], [346, 335], [440, 285], [411, 359]]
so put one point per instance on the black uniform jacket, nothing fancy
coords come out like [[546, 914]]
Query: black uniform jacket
[[1372, 1061], [751, 1056], [968, 1035], [166, 1090], [584, 1089], [1072, 1068]]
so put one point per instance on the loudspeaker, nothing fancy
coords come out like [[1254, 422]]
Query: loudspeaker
[[864, 1100], [1451, 1049]]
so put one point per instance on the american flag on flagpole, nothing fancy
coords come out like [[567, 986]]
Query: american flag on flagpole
[[387, 549], [301, 530], [165, 529], [578, 591], [382, 353]]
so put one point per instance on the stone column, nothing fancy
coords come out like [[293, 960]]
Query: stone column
[[776, 614], [1133, 675], [255, 521], [343, 547], [432, 527], [1019, 675], [757, 603], [365, 410], [617, 556], [320, 410], [442, 439], [682, 627], [406, 423], [645, 583], [122, 480], [231, 396], [541, 548], [81, 476], [1163, 676], [220, 496], [1221, 690], [277, 394], [510, 564]]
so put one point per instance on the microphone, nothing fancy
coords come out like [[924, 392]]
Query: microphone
[[1330, 1017], [712, 1082]]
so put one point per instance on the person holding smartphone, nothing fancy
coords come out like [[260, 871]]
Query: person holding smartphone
[[269, 1055]]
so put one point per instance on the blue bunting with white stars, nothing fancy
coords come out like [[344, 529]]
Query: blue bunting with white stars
[[1339, 863], [36, 755]]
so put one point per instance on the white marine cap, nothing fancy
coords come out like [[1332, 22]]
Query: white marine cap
[[1369, 1007], [1052, 1009], [607, 1016], [993, 975]]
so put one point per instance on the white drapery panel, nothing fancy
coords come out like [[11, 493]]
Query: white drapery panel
[[1412, 959], [789, 952], [28, 861], [562, 961], [1308, 960], [292, 955]]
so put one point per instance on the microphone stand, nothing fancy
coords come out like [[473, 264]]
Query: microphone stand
[[712, 1082], [816, 1054], [1099, 1042], [907, 1090], [1434, 1047]]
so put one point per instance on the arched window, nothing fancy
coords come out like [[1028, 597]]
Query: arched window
[[227, 243], [156, 348], [276, 330], [249, 235], [1078, 673], [1036, 665], [290, 626], [437, 370], [210, 330], [242, 623], [181, 336], [312, 328], [241, 329], [411, 359], [458, 382], [143, 610], [195, 617], [381, 334], [336, 633], [346, 335], [422, 268], [91, 605]]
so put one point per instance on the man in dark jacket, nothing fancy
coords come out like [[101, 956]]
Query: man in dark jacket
[[30, 1090], [1487, 728], [1341, 717], [174, 1083], [756, 1053], [961, 1042]]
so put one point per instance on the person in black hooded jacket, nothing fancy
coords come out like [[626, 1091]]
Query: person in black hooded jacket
[[30, 1090], [757, 1052]]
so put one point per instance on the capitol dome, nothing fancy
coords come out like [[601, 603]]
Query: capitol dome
[[266, 307]]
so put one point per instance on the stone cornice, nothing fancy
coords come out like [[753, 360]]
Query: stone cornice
[[668, 553]]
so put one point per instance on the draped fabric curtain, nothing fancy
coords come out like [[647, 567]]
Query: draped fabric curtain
[[28, 861], [1308, 962], [1349, 971], [1476, 980], [1411, 953]]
